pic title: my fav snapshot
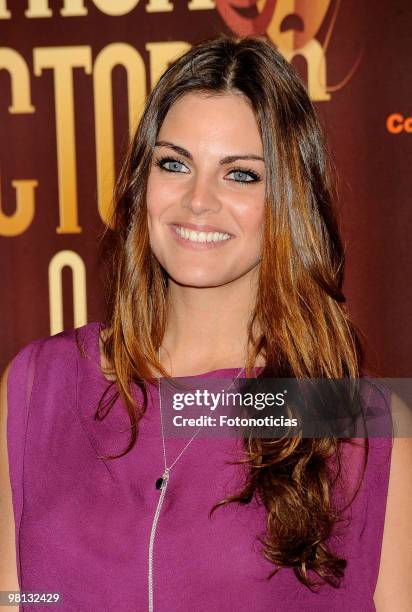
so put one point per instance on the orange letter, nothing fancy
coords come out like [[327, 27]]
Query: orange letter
[[394, 123], [408, 125]]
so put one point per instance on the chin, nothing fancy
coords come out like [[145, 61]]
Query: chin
[[199, 279]]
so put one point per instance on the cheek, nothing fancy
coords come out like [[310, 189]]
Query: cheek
[[155, 204], [252, 217]]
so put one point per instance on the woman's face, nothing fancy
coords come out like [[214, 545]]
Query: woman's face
[[206, 191]]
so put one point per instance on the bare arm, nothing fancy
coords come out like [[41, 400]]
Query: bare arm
[[8, 567], [394, 588]]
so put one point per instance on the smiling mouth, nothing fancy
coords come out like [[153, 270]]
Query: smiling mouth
[[200, 236]]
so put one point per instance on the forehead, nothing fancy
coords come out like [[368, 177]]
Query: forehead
[[225, 120]]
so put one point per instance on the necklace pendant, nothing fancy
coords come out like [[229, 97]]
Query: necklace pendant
[[161, 481]]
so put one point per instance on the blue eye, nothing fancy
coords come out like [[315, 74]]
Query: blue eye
[[245, 176], [169, 164]]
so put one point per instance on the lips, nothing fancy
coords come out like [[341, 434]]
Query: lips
[[201, 228]]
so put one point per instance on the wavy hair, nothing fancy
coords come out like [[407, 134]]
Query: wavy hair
[[304, 328]]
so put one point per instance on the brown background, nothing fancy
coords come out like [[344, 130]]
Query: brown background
[[373, 164]]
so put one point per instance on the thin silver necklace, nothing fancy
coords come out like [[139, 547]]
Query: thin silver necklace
[[161, 484]]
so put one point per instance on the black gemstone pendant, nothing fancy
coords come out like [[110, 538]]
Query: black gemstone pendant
[[159, 483]]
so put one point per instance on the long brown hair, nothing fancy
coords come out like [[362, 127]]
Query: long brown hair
[[305, 330]]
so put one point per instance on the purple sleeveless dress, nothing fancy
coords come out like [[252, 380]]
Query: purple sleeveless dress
[[83, 524]]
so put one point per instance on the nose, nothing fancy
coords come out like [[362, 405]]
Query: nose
[[201, 196]]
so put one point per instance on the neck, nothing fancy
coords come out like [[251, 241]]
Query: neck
[[207, 327]]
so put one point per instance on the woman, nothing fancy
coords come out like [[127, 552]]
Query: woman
[[227, 258]]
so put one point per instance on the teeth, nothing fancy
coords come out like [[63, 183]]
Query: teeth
[[200, 236]]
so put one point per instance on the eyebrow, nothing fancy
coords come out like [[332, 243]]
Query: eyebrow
[[225, 160]]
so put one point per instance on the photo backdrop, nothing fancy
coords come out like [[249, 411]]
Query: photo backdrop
[[74, 75]]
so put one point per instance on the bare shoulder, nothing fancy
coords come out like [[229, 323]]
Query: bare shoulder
[[8, 568], [393, 590]]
